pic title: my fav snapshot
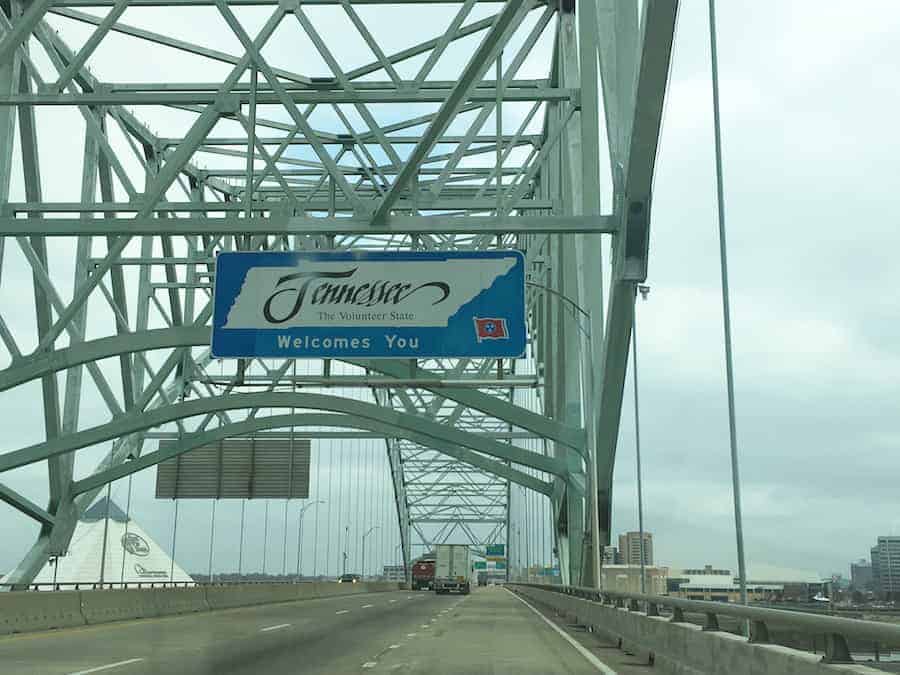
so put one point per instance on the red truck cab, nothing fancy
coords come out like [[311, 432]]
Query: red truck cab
[[423, 575]]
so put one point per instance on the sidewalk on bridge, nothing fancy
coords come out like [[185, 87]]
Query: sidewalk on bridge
[[493, 631]]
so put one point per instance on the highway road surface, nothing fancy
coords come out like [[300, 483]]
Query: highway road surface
[[490, 631]]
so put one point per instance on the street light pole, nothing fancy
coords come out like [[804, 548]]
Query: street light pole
[[371, 529], [644, 291], [303, 510], [346, 547], [726, 310]]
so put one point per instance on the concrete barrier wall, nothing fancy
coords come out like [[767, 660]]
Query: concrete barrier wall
[[170, 601], [245, 595], [24, 611], [117, 605], [683, 648]]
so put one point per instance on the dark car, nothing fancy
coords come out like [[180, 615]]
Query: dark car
[[349, 579]]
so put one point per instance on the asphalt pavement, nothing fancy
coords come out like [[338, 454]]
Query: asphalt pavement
[[490, 631]]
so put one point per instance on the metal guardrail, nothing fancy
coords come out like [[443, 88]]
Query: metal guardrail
[[836, 629], [96, 585], [113, 585]]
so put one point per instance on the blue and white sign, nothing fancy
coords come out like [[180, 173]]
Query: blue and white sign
[[403, 304]]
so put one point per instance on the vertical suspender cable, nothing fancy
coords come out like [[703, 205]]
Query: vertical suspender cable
[[498, 111], [726, 309], [105, 533], [357, 493], [318, 459], [385, 498], [340, 504], [368, 513], [330, 503], [285, 537], [241, 545], [525, 512], [265, 537], [212, 538], [127, 520], [637, 445], [174, 536], [371, 476]]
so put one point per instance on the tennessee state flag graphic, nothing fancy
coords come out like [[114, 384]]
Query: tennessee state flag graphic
[[491, 329]]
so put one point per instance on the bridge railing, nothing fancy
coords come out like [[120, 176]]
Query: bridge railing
[[836, 629], [115, 585]]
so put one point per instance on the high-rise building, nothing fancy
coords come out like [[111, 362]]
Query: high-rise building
[[886, 566], [611, 556], [630, 548], [861, 575], [876, 577]]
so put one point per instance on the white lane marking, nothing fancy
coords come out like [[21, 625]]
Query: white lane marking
[[409, 597], [367, 606], [593, 660], [433, 620], [108, 666], [411, 634], [425, 625], [393, 601], [369, 664], [343, 611], [394, 647], [281, 625]]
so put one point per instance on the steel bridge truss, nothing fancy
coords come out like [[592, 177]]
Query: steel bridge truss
[[487, 134]]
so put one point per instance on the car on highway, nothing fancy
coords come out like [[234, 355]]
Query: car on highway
[[349, 579]]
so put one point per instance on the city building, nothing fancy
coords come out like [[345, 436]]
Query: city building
[[765, 583], [108, 545], [798, 584], [630, 548], [627, 579], [719, 585], [886, 567], [861, 575], [876, 576], [707, 569], [723, 588], [611, 556]]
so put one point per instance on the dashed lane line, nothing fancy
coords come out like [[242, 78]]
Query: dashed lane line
[[367, 606], [369, 664], [279, 626], [343, 611], [108, 666]]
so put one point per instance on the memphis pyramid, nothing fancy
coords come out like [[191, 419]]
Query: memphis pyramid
[[126, 542]]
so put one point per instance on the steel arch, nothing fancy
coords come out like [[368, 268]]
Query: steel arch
[[154, 209]]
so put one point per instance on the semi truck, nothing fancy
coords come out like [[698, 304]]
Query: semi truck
[[452, 569], [423, 573]]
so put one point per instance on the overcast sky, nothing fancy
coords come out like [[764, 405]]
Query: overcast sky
[[809, 105]]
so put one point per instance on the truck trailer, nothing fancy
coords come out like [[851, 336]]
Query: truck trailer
[[452, 569]]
